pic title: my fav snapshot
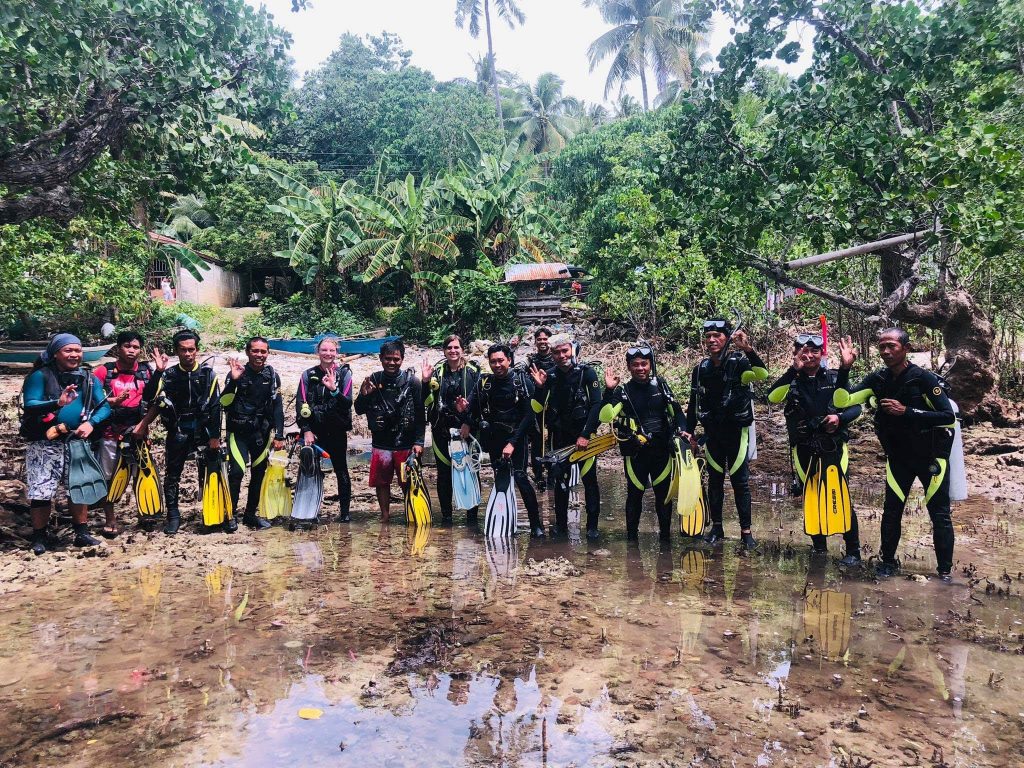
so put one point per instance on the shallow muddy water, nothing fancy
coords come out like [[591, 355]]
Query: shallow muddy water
[[359, 645]]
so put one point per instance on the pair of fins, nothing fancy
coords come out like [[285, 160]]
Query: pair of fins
[[86, 483], [465, 455], [827, 507], [217, 506], [572, 454], [275, 495], [688, 490], [135, 467], [309, 488], [501, 516], [417, 500]]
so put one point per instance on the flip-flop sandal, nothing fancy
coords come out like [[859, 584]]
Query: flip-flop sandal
[[110, 533]]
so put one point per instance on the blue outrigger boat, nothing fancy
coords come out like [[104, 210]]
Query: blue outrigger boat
[[361, 346], [25, 353]]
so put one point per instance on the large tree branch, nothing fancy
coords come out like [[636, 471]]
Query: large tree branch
[[836, 32], [776, 272], [57, 203]]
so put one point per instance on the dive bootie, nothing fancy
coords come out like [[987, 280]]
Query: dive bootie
[[715, 535], [231, 524], [852, 559], [255, 523], [748, 541], [887, 568], [82, 537], [172, 524], [39, 542]]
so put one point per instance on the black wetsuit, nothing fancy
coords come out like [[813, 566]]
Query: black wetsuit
[[329, 418], [394, 411], [723, 405], [253, 411], [573, 401], [649, 411], [445, 387], [500, 409], [917, 445], [545, 363], [190, 410], [808, 401]]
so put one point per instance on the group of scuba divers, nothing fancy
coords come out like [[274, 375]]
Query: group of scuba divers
[[90, 428]]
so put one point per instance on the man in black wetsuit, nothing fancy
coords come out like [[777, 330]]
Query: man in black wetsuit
[[448, 380], [188, 403], [915, 424], [572, 396], [392, 400], [816, 428], [253, 408], [499, 407], [543, 359], [722, 403], [645, 409]]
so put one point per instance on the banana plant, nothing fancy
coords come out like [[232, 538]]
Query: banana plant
[[324, 227]]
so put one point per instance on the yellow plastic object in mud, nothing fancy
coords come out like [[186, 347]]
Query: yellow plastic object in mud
[[812, 517], [310, 713], [275, 495]]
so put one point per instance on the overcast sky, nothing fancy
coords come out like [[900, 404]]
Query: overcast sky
[[554, 38]]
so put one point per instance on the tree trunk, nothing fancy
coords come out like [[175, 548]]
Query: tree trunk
[[969, 339], [643, 87], [494, 69]]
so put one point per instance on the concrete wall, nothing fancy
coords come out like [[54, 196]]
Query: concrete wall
[[219, 287]]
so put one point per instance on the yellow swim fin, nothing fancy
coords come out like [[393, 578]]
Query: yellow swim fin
[[216, 492], [275, 495], [812, 514], [149, 493], [834, 501], [417, 501], [125, 469]]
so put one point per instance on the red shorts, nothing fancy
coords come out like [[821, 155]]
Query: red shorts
[[383, 464]]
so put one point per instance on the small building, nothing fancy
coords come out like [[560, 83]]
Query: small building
[[541, 288], [219, 286]]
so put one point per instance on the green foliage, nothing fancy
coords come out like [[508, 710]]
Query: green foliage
[[300, 317], [99, 99], [74, 278], [366, 108]]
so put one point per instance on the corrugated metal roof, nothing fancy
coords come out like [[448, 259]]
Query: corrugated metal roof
[[524, 273]]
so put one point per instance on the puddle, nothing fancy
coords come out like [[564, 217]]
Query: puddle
[[436, 648]]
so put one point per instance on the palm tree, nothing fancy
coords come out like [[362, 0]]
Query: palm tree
[[626, 106], [405, 234], [323, 227], [646, 35], [473, 10], [546, 122]]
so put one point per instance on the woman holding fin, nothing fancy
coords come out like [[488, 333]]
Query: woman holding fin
[[647, 418], [453, 377], [254, 412], [323, 405], [63, 404], [916, 424], [818, 432]]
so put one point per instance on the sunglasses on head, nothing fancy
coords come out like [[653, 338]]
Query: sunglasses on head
[[715, 325], [638, 352], [810, 340]]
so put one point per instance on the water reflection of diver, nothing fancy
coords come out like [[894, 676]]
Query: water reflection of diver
[[645, 413], [818, 432], [917, 426], [827, 615]]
